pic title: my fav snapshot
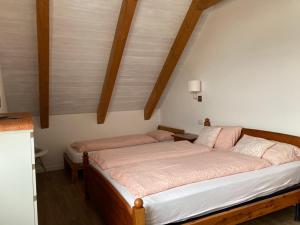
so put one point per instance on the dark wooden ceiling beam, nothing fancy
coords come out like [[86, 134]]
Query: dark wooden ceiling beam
[[205, 4], [42, 14], [124, 22], [187, 27]]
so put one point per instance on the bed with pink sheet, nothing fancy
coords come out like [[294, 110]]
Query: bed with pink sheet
[[192, 200], [180, 181], [206, 180], [75, 150]]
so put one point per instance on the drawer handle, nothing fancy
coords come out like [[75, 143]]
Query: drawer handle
[[33, 166], [34, 198]]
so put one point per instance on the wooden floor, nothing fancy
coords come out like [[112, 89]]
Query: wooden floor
[[62, 203]]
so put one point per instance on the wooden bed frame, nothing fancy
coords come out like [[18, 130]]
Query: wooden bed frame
[[76, 167], [73, 166], [116, 211]]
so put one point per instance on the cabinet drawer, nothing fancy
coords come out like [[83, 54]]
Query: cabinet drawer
[[35, 211], [34, 180], [32, 148]]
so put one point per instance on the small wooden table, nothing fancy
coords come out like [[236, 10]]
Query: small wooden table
[[185, 137]]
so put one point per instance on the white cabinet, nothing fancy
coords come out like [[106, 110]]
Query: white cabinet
[[18, 200]]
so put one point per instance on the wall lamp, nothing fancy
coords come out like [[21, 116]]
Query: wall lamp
[[195, 89]]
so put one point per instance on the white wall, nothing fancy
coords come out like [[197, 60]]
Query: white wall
[[3, 106], [247, 56], [65, 129]]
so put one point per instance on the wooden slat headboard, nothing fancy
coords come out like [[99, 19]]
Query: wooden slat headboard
[[171, 129], [285, 138]]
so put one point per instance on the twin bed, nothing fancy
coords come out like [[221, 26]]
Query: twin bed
[[230, 199], [185, 203], [73, 159]]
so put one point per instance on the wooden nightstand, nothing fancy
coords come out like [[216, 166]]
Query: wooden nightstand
[[185, 137]]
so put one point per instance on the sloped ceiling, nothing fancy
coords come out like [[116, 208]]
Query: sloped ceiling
[[18, 54], [81, 36]]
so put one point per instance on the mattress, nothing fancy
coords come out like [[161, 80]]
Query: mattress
[[193, 200], [75, 156]]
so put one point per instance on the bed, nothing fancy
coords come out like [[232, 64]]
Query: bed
[[73, 159], [261, 194]]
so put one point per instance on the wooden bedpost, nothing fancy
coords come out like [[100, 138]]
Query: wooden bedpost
[[297, 212], [207, 122], [86, 164], [138, 212]]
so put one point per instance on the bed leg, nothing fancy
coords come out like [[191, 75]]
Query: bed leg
[[297, 212], [86, 164], [74, 173], [65, 164], [139, 213]]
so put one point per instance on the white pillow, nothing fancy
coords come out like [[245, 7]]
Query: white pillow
[[297, 151], [253, 146], [208, 136]]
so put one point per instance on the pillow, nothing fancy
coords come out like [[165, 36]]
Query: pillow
[[297, 151], [208, 136], [281, 153], [227, 138], [161, 135], [253, 146]]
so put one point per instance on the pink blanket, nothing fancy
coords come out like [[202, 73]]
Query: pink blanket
[[111, 158], [114, 142], [156, 176]]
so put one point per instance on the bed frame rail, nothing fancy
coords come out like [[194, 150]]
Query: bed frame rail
[[251, 211], [171, 129], [289, 139]]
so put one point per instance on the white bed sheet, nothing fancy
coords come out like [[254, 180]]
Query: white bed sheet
[[200, 198], [75, 156]]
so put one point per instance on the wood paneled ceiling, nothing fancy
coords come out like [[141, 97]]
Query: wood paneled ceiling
[[18, 54], [81, 36]]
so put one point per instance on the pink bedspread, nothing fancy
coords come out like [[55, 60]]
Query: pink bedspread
[[114, 142], [111, 158], [156, 176]]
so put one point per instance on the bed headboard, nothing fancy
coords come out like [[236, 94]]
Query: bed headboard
[[171, 129], [285, 138]]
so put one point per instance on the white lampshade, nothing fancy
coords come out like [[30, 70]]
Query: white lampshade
[[3, 107], [194, 86]]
